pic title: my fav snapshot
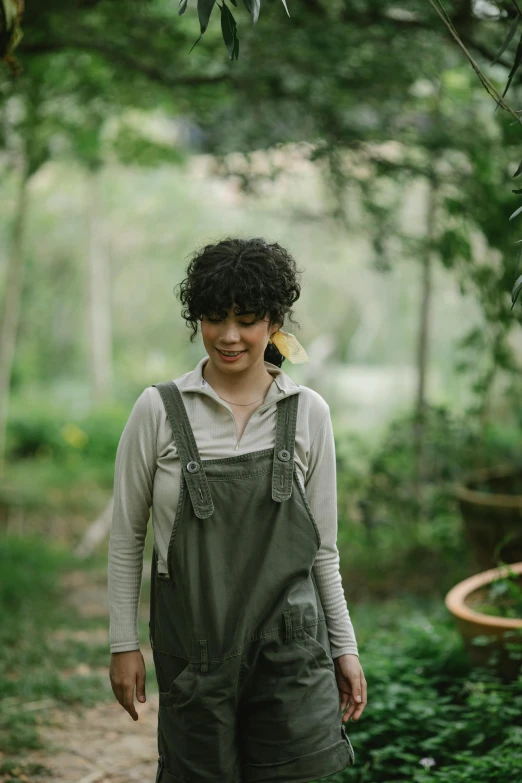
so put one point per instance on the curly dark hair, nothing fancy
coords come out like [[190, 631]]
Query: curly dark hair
[[256, 276]]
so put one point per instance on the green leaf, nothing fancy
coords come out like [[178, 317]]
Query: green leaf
[[253, 7], [229, 30], [182, 6], [517, 192], [234, 2], [518, 171], [204, 10], [516, 65], [286, 7], [196, 42], [515, 213], [511, 33], [517, 288]]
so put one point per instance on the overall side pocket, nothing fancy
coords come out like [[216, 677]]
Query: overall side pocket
[[170, 671]]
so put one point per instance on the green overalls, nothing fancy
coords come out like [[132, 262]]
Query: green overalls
[[247, 687]]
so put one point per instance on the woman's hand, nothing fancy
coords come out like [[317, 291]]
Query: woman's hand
[[127, 670], [352, 686]]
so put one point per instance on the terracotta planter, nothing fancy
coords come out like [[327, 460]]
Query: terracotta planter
[[490, 503], [472, 623]]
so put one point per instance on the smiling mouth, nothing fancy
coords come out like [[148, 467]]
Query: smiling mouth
[[232, 353]]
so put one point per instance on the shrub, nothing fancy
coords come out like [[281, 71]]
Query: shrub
[[431, 717]]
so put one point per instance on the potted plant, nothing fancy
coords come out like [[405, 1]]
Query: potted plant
[[490, 502], [488, 610]]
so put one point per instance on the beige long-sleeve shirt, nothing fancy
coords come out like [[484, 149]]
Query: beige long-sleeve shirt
[[148, 474]]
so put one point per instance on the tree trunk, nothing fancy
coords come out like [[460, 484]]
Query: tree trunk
[[99, 304], [419, 434], [10, 306], [96, 532]]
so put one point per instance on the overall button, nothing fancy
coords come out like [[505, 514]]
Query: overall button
[[192, 466], [283, 455]]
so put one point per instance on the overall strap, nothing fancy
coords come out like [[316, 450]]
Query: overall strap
[[283, 470], [191, 466]]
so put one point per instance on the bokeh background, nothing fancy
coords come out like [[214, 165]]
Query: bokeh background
[[358, 135]]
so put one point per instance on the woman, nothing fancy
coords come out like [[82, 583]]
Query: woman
[[254, 651]]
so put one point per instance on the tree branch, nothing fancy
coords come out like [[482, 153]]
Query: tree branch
[[379, 19], [490, 88], [481, 49]]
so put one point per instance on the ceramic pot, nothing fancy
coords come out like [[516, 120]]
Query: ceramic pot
[[490, 503], [495, 631]]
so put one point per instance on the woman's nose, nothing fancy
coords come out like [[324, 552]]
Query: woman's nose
[[230, 334]]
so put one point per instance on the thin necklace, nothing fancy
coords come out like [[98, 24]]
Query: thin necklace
[[243, 404]]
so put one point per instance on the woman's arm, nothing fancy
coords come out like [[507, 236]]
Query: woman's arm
[[133, 480], [321, 493]]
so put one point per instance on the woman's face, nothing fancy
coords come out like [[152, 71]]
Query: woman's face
[[236, 333]]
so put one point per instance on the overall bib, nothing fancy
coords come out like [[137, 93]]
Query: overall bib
[[247, 687]]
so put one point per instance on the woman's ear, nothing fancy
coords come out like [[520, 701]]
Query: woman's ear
[[274, 328]]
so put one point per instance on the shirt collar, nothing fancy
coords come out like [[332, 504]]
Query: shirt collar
[[283, 386]]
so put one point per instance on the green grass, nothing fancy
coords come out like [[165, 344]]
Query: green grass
[[40, 486]]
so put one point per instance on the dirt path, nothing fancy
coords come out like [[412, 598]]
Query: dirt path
[[100, 744]]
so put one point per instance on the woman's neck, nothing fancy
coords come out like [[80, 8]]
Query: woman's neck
[[241, 387]]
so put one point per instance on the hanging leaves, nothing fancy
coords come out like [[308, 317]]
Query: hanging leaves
[[515, 213], [509, 38], [516, 291], [517, 288], [204, 10], [286, 7], [228, 23], [229, 30], [253, 7], [516, 65]]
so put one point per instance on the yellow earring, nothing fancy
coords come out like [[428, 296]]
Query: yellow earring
[[287, 344]]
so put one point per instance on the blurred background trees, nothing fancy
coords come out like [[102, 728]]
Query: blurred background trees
[[376, 97], [357, 135]]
